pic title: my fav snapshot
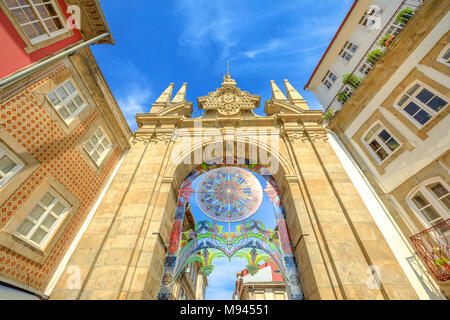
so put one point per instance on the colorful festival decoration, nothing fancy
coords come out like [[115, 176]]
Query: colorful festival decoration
[[229, 194]]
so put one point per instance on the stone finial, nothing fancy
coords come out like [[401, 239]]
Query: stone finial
[[166, 96], [181, 95], [293, 96], [277, 94]]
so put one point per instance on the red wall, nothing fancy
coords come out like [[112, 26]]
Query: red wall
[[12, 54]]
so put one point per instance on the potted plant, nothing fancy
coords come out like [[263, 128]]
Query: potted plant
[[404, 15], [352, 80], [329, 115], [342, 97], [374, 56], [386, 40]]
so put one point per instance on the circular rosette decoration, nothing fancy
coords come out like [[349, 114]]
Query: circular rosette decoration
[[229, 194]]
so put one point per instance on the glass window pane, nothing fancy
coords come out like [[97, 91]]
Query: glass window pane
[[6, 164], [382, 154], [375, 145], [19, 15], [50, 25], [78, 101], [446, 55], [64, 113], [431, 213], [72, 107], [446, 202], [413, 89], [53, 98], [37, 212], [412, 108], [99, 133], [384, 135], [422, 117], [94, 140], [69, 86], [95, 156], [29, 14], [47, 199], [424, 96], [89, 147], [25, 227], [393, 144], [437, 189], [403, 100], [58, 208], [39, 29], [437, 104], [29, 31], [420, 201], [38, 236], [100, 149], [49, 221], [62, 93]]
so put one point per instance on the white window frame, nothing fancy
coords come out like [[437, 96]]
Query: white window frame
[[39, 223], [395, 28], [380, 142], [348, 52], [435, 203], [413, 98], [62, 104], [97, 145], [441, 56], [329, 79], [4, 151], [40, 20]]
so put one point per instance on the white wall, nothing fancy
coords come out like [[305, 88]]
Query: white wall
[[438, 142]]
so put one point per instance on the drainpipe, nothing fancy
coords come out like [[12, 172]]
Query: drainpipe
[[386, 211], [20, 74]]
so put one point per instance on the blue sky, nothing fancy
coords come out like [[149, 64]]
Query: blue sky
[[159, 42], [222, 279]]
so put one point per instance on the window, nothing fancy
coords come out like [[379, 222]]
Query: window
[[279, 295], [432, 201], [98, 146], [444, 57], [395, 28], [380, 142], [329, 79], [421, 104], [39, 19], [66, 100], [365, 68], [10, 165], [348, 51], [43, 220], [369, 18]]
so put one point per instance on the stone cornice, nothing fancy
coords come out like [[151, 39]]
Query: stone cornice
[[93, 21]]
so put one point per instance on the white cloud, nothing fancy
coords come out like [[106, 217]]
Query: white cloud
[[135, 95]]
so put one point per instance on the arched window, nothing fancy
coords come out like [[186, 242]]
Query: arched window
[[431, 201], [444, 57], [420, 103]]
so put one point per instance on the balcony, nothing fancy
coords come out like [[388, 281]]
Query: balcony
[[432, 245], [351, 81]]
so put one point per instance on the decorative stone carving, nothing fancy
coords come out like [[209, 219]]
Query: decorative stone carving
[[229, 100]]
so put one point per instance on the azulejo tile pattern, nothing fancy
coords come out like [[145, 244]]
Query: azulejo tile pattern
[[25, 120]]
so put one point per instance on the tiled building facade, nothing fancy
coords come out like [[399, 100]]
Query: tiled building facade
[[61, 136], [395, 126]]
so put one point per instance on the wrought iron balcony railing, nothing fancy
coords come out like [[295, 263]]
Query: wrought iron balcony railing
[[354, 79], [432, 245]]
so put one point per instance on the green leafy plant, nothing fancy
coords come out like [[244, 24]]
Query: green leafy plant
[[329, 115], [404, 15], [374, 56], [386, 40], [351, 80], [342, 97]]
